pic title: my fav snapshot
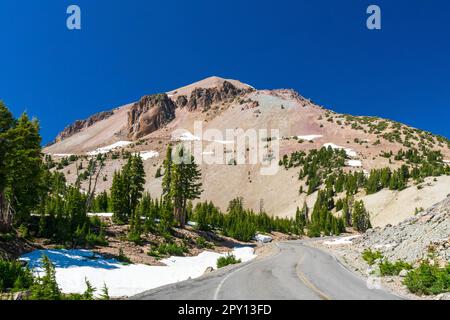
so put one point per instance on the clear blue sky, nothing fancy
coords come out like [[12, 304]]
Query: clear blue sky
[[322, 49]]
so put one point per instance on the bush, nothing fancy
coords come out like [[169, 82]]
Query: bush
[[202, 243], [171, 248], [14, 277], [428, 279], [122, 257], [93, 239], [227, 260], [393, 269], [371, 256]]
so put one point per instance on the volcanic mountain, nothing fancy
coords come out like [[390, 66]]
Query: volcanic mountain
[[149, 125]]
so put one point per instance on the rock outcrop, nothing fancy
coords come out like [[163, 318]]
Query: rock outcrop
[[153, 112], [79, 125], [150, 114], [203, 98]]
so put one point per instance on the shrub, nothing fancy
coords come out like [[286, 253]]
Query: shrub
[[202, 243], [122, 257], [428, 279], [14, 277], [371, 256], [227, 260], [393, 269], [93, 239], [170, 248]]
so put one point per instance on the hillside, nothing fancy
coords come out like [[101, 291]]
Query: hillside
[[149, 125]]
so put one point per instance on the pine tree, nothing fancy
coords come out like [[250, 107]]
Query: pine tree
[[361, 218], [184, 184], [166, 182], [6, 123], [119, 199], [23, 167]]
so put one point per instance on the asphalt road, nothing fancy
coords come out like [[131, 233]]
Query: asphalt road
[[295, 272]]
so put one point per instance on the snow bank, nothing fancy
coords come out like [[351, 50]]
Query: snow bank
[[263, 238], [354, 163], [310, 137], [186, 136], [348, 151], [341, 241], [100, 214], [74, 266], [106, 149], [146, 155]]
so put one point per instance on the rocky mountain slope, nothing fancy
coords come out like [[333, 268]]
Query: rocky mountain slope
[[149, 125], [415, 238]]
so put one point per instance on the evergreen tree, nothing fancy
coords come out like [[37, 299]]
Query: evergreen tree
[[166, 182], [184, 185], [119, 199], [361, 218], [23, 167], [6, 123]]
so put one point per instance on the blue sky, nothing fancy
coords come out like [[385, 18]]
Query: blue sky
[[322, 49]]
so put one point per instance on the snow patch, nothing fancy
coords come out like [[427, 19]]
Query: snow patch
[[310, 137], [146, 155], [354, 163], [350, 152], [74, 266], [341, 241], [100, 214], [446, 161], [185, 136], [106, 149], [263, 238]]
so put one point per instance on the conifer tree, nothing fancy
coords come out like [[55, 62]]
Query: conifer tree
[[166, 182], [23, 167], [361, 218], [6, 123], [184, 184]]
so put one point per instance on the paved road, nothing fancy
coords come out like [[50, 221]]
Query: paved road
[[295, 272]]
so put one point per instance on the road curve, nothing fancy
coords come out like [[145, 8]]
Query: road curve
[[295, 272]]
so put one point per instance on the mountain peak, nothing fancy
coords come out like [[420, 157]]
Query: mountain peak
[[207, 83]]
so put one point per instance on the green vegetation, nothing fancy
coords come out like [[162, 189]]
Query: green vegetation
[[388, 268], [428, 279], [122, 257], [14, 277], [242, 224], [227, 260], [371, 256], [171, 248], [203, 244], [180, 182]]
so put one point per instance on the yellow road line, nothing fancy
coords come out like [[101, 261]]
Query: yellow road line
[[309, 284]]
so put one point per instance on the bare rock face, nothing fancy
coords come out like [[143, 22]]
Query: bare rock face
[[203, 98], [79, 125], [153, 112], [150, 114]]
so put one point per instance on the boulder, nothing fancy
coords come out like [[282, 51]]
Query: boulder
[[403, 273], [263, 238]]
